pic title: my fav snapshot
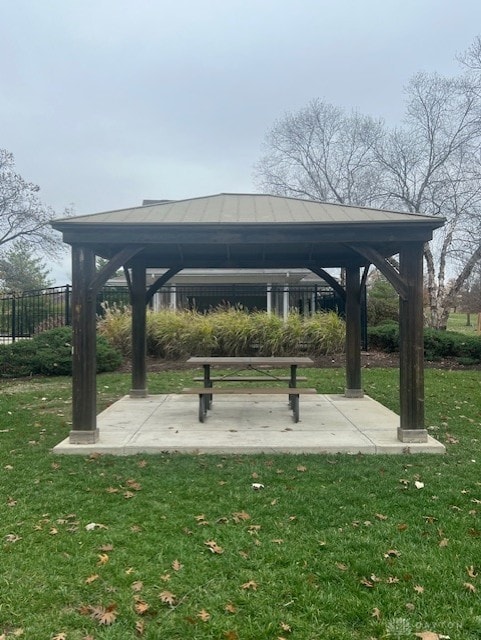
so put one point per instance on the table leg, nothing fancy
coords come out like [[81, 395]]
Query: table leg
[[293, 384], [207, 385]]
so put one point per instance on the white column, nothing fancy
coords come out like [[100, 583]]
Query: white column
[[269, 299], [286, 303], [173, 298]]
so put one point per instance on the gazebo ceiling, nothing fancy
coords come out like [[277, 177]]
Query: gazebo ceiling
[[247, 231]]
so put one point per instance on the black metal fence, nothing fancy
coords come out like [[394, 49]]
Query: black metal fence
[[24, 315]]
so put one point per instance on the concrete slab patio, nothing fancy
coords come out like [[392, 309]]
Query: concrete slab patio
[[248, 424]]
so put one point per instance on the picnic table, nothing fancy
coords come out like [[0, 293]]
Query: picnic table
[[250, 370]]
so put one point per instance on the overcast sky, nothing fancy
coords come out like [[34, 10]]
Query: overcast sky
[[107, 102]]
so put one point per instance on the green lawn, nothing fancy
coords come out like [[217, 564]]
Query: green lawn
[[334, 547], [458, 322]]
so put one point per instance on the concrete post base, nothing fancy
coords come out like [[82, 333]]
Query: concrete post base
[[412, 435], [354, 393], [84, 437], [139, 393]]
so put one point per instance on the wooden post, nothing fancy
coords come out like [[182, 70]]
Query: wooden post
[[353, 334], [139, 368], [411, 349], [84, 366]]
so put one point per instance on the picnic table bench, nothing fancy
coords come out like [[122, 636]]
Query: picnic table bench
[[262, 368]]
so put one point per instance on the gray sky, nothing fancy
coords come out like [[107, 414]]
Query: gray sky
[[107, 102]]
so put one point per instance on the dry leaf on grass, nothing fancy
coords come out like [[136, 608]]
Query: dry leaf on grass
[[167, 597], [204, 615], [213, 546], [104, 615], [250, 585], [141, 607], [176, 565]]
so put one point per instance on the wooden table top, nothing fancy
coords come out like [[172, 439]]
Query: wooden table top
[[254, 361]]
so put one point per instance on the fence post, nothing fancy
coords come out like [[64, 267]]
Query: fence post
[[14, 317], [67, 305]]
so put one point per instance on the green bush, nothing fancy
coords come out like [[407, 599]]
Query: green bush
[[437, 344], [50, 353], [384, 337]]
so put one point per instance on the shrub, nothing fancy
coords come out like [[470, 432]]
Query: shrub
[[231, 331], [384, 337], [437, 344], [50, 353]]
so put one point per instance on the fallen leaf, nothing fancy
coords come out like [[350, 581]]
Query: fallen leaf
[[367, 583], [204, 615], [470, 587], [133, 484], [104, 615], [92, 578], [231, 635], [444, 542], [141, 607], [250, 585], [112, 490], [419, 485], [301, 468], [213, 546], [471, 572], [230, 608], [286, 627], [376, 613], [140, 627], [94, 525], [392, 580], [418, 588], [380, 516], [60, 636], [103, 558], [341, 566], [138, 585], [128, 494], [12, 538], [176, 565], [239, 516], [167, 597], [430, 635], [392, 553]]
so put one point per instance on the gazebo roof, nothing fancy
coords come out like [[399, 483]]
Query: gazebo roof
[[247, 231], [241, 208]]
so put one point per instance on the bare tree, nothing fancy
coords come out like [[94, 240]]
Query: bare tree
[[23, 217], [322, 153], [429, 164]]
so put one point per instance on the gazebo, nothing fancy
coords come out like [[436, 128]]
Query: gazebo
[[245, 231]]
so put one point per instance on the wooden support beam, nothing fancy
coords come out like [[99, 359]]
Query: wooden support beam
[[394, 277], [411, 350], [84, 389], [112, 266], [338, 288], [353, 334], [139, 367], [163, 279]]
